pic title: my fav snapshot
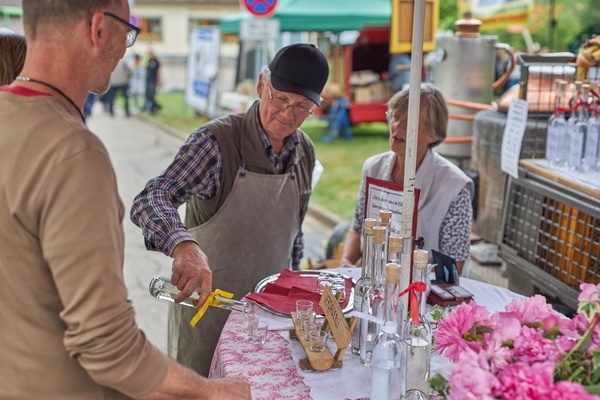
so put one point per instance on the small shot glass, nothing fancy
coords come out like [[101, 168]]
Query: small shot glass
[[310, 326], [306, 318], [317, 340], [303, 307], [250, 322], [323, 283], [341, 289], [259, 333]]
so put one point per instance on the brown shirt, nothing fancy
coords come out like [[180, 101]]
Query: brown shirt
[[67, 330]]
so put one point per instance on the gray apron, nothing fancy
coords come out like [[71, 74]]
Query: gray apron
[[249, 238]]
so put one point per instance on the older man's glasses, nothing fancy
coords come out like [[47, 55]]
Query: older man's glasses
[[133, 30], [299, 110]]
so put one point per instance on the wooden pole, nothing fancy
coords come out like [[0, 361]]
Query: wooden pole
[[410, 162]]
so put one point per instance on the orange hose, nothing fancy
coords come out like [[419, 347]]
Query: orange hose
[[468, 104], [458, 140], [462, 117]]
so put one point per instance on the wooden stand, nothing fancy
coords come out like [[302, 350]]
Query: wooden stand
[[340, 330]]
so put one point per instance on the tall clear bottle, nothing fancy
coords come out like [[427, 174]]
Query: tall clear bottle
[[578, 137], [571, 122], [592, 145], [557, 129], [389, 365], [395, 249], [162, 288], [364, 282], [392, 309], [373, 297], [417, 335], [385, 220]]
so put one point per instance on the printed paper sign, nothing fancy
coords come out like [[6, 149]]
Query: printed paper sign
[[386, 195], [512, 139]]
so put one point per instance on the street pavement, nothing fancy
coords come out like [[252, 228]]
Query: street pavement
[[140, 150]]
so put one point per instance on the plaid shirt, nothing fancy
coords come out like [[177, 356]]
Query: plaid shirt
[[196, 171]]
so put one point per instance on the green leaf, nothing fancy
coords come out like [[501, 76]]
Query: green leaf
[[440, 385], [592, 389], [588, 308]]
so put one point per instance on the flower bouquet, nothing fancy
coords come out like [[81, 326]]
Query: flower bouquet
[[525, 352]]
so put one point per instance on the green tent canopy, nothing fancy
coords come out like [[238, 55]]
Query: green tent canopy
[[320, 15]]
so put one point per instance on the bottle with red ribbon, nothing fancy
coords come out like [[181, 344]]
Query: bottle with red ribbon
[[417, 331]]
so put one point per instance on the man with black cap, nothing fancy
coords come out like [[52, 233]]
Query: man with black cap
[[246, 181]]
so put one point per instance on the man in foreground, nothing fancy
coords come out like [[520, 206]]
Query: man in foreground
[[67, 329]]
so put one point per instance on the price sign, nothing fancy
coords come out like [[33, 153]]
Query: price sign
[[259, 8]]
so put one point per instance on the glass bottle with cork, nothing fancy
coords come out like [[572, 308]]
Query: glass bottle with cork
[[556, 133], [417, 333], [389, 365], [364, 282], [385, 220], [579, 130], [372, 298], [592, 144], [392, 309]]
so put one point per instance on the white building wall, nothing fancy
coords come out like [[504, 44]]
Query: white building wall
[[176, 25]]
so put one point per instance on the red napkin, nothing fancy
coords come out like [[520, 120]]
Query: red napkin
[[290, 286]]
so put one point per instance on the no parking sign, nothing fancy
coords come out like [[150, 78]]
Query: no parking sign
[[259, 8]]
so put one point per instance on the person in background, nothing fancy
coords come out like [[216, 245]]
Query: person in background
[[67, 328], [445, 209], [89, 104], [153, 82], [12, 55], [137, 83], [119, 83], [246, 180]]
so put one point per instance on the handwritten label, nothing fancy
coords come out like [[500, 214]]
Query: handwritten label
[[333, 313]]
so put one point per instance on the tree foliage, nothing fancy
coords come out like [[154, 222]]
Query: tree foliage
[[572, 18]]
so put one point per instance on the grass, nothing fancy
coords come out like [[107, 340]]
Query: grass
[[177, 113], [342, 160]]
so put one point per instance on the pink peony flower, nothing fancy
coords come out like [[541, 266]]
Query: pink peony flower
[[457, 331], [564, 343], [531, 347], [551, 323], [589, 292], [506, 327], [531, 310], [564, 390], [521, 381], [513, 354], [574, 327], [498, 356], [471, 378]]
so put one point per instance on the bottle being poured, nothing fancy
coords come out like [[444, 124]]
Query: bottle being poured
[[162, 288]]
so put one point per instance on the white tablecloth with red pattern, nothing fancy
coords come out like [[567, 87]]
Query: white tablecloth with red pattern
[[273, 372]]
